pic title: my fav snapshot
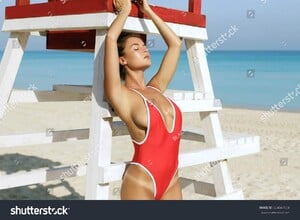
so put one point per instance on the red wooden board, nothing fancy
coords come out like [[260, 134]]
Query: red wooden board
[[22, 2], [195, 6], [82, 40], [69, 7], [78, 40]]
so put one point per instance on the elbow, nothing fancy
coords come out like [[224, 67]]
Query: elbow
[[177, 43]]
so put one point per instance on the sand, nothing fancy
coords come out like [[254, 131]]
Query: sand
[[271, 174]]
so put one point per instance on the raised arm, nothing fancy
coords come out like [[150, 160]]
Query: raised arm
[[114, 90], [169, 63]]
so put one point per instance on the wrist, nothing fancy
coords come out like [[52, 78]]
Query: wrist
[[125, 10], [147, 10]]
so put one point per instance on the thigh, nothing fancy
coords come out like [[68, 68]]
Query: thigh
[[137, 184], [174, 191]]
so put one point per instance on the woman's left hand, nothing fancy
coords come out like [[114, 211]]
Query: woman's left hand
[[143, 5]]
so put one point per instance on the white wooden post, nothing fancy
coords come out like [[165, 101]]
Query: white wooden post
[[222, 179], [211, 124], [202, 83], [100, 137], [9, 66]]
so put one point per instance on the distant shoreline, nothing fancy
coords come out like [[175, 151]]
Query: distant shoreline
[[295, 111], [46, 50]]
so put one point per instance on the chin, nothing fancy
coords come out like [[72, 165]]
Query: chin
[[147, 66]]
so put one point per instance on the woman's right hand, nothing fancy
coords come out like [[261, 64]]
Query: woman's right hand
[[122, 5]]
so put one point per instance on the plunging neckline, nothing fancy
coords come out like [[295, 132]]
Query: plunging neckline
[[159, 111]]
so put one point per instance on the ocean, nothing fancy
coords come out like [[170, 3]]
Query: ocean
[[241, 79]]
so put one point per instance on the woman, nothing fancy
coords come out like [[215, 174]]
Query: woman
[[153, 121]]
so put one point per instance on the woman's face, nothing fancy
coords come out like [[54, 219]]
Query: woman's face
[[136, 55]]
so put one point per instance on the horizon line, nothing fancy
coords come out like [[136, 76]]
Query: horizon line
[[158, 50]]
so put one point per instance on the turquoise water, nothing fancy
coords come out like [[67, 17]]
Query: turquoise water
[[248, 79]]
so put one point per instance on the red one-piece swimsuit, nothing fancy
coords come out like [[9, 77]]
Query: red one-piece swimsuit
[[157, 154]]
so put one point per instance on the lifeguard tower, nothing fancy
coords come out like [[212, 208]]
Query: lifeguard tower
[[81, 26]]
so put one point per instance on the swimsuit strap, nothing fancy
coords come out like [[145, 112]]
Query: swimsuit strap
[[139, 93], [152, 87]]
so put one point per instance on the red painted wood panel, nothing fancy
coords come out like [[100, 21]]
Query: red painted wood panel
[[82, 40], [195, 6], [79, 40], [63, 7], [22, 2], [68, 7]]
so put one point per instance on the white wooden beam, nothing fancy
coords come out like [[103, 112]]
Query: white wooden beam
[[97, 21], [216, 154], [46, 137], [200, 187], [23, 96], [39, 176], [9, 66], [199, 67], [222, 179], [198, 105], [100, 141], [30, 96], [187, 101], [111, 173], [25, 139], [212, 128], [52, 136]]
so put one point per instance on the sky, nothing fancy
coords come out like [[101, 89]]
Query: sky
[[253, 24]]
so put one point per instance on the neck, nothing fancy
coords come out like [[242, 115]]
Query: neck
[[135, 80]]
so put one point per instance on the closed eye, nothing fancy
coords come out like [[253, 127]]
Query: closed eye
[[136, 46]]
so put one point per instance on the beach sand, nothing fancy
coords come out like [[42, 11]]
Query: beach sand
[[271, 174]]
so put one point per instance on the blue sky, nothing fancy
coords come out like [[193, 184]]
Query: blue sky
[[260, 24]]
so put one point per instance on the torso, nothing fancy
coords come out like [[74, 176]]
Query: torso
[[155, 132], [137, 126]]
